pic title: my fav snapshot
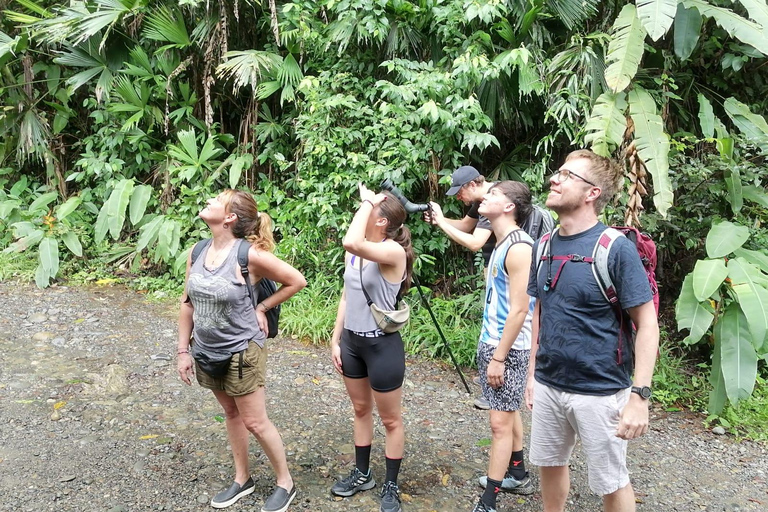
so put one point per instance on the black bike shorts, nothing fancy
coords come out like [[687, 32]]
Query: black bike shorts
[[381, 359]]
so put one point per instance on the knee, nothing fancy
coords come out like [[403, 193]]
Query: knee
[[363, 410], [257, 426], [231, 412], [391, 423], [500, 427]]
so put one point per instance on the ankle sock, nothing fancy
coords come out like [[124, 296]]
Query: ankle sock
[[490, 493], [393, 468], [363, 458], [516, 467]]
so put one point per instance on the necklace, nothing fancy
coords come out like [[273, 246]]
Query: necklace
[[215, 255]]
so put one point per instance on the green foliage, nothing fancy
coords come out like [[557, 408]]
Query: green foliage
[[747, 419]]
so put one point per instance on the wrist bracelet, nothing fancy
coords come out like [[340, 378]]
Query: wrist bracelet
[[367, 201], [182, 351], [498, 360], [266, 308]]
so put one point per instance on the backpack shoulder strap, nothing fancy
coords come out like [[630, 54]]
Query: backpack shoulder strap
[[542, 251], [198, 248], [242, 260], [600, 264]]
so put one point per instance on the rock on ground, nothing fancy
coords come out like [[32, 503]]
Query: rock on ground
[[93, 417]]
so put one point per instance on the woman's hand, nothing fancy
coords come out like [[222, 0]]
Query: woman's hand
[[336, 356], [184, 366], [369, 195], [261, 318]]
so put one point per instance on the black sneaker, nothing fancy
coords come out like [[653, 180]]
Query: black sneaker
[[232, 494], [482, 507], [279, 500], [390, 498], [356, 481]]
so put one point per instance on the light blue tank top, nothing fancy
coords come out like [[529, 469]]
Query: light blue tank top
[[224, 318]]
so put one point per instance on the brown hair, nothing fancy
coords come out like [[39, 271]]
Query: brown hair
[[478, 181], [393, 211], [519, 194], [253, 225], [604, 172]]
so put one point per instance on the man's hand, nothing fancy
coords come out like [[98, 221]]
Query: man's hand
[[435, 214], [529, 392], [634, 418], [495, 374]]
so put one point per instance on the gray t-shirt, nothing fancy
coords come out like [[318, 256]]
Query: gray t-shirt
[[483, 223], [357, 316], [224, 318], [578, 330]]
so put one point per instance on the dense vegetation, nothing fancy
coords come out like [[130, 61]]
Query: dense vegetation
[[120, 117]]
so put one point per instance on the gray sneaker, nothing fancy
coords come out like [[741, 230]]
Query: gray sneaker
[[355, 482], [235, 491], [482, 403], [279, 500], [390, 498], [511, 485], [482, 507]]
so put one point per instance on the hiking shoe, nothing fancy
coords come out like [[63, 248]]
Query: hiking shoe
[[232, 494], [510, 484], [482, 403], [355, 482], [476, 380], [279, 500], [390, 498], [482, 507]]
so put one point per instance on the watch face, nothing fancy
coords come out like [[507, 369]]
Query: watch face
[[644, 392]]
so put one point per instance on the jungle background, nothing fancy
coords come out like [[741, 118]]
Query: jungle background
[[119, 118]]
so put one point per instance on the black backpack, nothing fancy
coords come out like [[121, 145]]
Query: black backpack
[[538, 223], [265, 287]]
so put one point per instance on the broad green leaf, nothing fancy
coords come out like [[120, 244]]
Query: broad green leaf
[[690, 314], [25, 243], [235, 171], [164, 239], [42, 277], [42, 202], [652, 145], [758, 11], [102, 223], [606, 125], [118, 202], [759, 258], [68, 207], [24, 228], [687, 30], [73, 243], [752, 125], [738, 357], [657, 16], [733, 185], [756, 195], [708, 275], [139, 199], [60, 121], [742, 29], [49, 255], [717, 396], [189, 144], [625, 49], [724, 238], [706, 116], [148, 232], [753, 300]]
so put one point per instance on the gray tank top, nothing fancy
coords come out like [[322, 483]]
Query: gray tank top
[[224, 319], [357, 316]]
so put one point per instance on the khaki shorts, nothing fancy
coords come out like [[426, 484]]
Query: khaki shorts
[[558, 417], [254, 373]]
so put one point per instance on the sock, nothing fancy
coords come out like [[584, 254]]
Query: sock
[[516, 467], [363, 458], [393, 468], [490, 493]]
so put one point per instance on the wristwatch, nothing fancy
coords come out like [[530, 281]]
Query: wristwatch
[[645, 392]]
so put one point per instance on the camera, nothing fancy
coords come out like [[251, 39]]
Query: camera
[[409, 206]]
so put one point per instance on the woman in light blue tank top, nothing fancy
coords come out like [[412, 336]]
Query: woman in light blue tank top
[[372, 362], [217, 309]]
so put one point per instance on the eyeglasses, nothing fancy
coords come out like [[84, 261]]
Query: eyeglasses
[[564, 174]]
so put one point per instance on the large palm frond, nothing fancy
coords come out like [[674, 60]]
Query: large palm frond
[[247, 68], [574, 12], [77, 24], [657, 16], [167, 25], [625, 49]]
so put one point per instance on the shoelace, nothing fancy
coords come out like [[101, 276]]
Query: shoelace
[[390, 491]]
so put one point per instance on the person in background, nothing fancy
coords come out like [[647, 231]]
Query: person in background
[[580, 380], [217, 314], [380, 257]]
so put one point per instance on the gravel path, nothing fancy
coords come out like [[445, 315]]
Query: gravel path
[[94, 418]]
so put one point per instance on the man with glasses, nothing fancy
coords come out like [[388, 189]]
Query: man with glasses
[[580, 377]]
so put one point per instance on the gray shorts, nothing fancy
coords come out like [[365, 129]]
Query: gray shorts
[[558, 417], [509, 397]]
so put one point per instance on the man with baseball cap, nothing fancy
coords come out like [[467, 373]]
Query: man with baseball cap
[[473, 231]]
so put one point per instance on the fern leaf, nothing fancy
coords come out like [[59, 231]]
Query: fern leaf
[[657, 16], [625, 49], [652, 145], [606, 124]]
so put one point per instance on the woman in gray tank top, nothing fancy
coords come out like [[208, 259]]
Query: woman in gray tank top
[[217, 311], [372, 362]]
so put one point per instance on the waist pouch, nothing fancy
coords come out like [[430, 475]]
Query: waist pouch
[[215, 363]]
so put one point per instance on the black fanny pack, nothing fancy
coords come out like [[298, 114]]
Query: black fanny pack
[[216, 363]]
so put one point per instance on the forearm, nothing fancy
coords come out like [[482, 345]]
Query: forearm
[[534, 340], [185, 327], [510, 333], [468, 240], [338, 326], [356, 232], [646, 348], [282, 294]]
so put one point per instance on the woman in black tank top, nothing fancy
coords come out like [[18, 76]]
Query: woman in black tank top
[[217, 306], [373, 363]]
